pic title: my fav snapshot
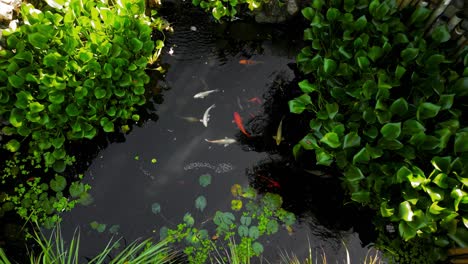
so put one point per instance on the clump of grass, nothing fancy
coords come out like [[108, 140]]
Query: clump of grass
[[54, 250]]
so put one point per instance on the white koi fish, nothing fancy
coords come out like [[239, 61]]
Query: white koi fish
[[205, 94], [206, 116], [279, 133], [225, 141]]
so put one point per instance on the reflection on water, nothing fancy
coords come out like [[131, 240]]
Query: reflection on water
[[126, 182]]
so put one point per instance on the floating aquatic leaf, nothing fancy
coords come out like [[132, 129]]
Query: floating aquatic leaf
[[114, 229], [156, 208], [200, 203], [188, 219], [254, 233], [243, 231], [204, 180], [272, 226], [58, 183], [246, 220], [163, 233], [257, 248], [154, 161], [98, 226], [236, 205], [136, 157]]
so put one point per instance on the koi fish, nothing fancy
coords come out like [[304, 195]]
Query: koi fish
[[249, 62], [255, 100], [206, 116], [190, 119], [204, 94], [271, 183], [225, 141], [238, 121], [279, 133]]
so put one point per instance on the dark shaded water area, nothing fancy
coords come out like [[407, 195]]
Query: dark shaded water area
[[202, 55]]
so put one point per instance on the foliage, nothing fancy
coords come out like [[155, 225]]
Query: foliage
[[224, 8], [261, 216], [387, 109], [67, 73], [53, 250]]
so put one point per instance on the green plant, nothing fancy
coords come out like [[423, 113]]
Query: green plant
[[262, 216], [387, 109], [224, 8], [68, 72], [54, 250]]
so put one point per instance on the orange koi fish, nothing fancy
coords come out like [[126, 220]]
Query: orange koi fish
[[238, 121], [249, 62], [271, 183], [255, 100]]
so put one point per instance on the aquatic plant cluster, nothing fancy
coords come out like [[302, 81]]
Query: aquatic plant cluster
[[386, 106], [68, 72]]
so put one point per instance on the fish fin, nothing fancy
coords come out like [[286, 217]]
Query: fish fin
[[225, 145], [207, 140]]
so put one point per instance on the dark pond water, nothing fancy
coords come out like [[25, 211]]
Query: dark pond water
[[203, 56]]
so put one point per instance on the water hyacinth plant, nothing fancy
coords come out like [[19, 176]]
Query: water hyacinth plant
[[67, 72], [386, 106]]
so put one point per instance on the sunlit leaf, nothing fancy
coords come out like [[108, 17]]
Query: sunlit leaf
[[331, 139], [236, 205]]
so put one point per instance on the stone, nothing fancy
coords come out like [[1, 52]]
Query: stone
[[292, 7], [6, 12]]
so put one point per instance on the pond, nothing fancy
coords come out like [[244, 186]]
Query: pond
[[161, 159]]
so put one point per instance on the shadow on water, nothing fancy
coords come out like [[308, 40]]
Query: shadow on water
[[202, 55]]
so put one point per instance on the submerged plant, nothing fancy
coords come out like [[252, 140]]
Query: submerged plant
[[387, 109]]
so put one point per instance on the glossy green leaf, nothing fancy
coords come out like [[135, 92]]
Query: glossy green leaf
[[412, 127], [446, 101], [298, 105], [399, 107], [308, 13], [361, 197], [72, 110], [38, 40], [375, 53], [331, 139], [100, 93], [333, 14], [204, 180], [307, 87], [200, 203], [329, 66], [352, 139], [409, 54], [362, 156], [363, 62], [13, 145], [36, 107], [442, 164], [435, 193], [399, 72], [332, 110], [360, 23], [461, 142], [353, 174], [16, 81], [323, 158], [427, 110], [309, 142], [391, 131], [403, 174], [385, 211], [441, 34], [405, 211], [457, 194]]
